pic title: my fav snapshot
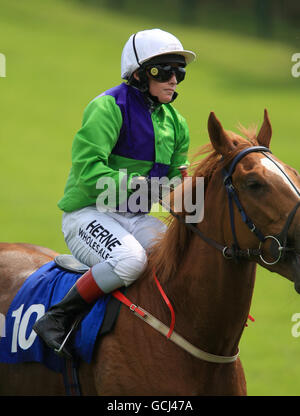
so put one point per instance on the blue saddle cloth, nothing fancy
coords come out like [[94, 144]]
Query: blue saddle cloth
[[46, 287]]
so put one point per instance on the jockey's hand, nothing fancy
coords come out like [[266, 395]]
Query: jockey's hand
[[147, 188], [141, 184], [153, 190]]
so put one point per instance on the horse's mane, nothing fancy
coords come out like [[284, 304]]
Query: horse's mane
[[170, 247]]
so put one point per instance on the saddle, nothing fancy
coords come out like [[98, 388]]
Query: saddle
[[70, 263]]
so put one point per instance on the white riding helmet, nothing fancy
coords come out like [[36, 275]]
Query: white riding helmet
[[147, 44]]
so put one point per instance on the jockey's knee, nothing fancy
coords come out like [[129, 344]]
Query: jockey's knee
[[130, 265]]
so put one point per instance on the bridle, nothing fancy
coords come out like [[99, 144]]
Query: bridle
[[279, 245]]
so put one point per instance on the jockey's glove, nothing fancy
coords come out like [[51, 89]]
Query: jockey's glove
[[147, 188]]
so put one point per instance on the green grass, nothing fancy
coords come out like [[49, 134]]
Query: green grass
[[60, 55]]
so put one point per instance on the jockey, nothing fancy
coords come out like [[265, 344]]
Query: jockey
[[129, 133]]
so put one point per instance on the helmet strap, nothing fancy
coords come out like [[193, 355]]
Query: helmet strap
[[154, 100], [143, 85]]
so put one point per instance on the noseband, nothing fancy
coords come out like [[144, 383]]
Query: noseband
[[279, 243]]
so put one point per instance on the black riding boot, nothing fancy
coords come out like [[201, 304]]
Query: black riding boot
[[54, 326]]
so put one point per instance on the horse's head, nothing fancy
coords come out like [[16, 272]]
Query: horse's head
[[265, 197]]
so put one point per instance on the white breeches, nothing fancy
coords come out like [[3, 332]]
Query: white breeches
[[119, 239]]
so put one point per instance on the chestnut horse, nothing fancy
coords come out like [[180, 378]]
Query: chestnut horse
[[207, 271]]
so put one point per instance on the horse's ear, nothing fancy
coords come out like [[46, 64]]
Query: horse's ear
[[218, 137], [265, 132]]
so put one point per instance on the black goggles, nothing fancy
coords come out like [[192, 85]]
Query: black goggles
[[162, 73]]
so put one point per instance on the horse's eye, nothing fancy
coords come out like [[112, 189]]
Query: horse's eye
[[253, 184]]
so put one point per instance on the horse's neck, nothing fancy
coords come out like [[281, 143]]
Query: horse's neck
[[211, 295]]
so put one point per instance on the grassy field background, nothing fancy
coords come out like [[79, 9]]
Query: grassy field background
[[60, 55]]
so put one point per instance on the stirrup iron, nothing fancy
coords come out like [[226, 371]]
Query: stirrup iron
[[59, 351]]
